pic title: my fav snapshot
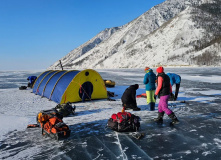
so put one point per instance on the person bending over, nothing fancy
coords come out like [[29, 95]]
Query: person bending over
[[129, 98], [175, 79]]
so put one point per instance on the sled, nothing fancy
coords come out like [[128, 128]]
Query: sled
[[57, 136], [109, 83], [52, 125], [57, 131], [33, 126], [143, 95]]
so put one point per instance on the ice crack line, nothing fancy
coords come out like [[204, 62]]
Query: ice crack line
[[123, 153]]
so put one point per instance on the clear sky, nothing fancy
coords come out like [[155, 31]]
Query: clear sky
[[36, 33]]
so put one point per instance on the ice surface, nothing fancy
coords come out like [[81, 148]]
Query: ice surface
[[196, 137]]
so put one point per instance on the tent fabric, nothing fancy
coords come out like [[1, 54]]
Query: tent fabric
[[38, 81], [41, 86], [89, 75], [62, 85], [68, 86], [51, 83]]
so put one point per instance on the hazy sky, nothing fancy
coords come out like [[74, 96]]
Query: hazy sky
[[36, 33]]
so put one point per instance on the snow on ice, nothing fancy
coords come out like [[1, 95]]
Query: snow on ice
[[196, 137]]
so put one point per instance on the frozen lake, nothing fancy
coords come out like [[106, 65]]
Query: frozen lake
[[196, 137]]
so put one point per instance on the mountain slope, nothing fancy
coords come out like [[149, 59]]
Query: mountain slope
[[168, 34]]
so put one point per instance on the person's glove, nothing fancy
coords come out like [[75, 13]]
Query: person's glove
[[155, 96]]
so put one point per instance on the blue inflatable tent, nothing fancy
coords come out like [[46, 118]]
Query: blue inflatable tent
[[70, 86]]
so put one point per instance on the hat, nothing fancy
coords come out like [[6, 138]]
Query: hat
[[160, 70], [146, 68], [136, 86]]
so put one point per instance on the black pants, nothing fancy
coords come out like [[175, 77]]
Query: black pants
[[177, 91]]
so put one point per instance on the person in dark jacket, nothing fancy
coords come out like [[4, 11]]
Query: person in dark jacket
[[149, 81], [175, 79], [164, 89], [129, 98], [31, 80]]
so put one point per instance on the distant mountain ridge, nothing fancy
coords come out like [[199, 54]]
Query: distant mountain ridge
[[173, 33]]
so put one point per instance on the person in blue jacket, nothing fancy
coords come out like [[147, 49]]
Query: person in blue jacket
[[175, 79], [31, 80], [149, 81]]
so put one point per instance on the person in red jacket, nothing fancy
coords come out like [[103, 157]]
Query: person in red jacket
[[163, 90]]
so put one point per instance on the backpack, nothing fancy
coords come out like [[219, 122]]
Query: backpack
[[65, 109], [56, 128], [44, 115], [124, 122], [52, 124]]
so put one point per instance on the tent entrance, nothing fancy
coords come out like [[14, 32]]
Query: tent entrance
[[86, 91]]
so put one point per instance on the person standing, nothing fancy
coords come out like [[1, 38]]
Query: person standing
[[175, 79], [164, 89], [129, 98], [149, 81]]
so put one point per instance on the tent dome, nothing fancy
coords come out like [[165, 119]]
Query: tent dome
[[70, 86]]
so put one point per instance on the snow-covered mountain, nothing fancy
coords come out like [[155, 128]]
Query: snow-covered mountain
[[173, 33]]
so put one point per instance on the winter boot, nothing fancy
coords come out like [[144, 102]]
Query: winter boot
[[136, 109], [152, 106], [174, 118], [159, 119]]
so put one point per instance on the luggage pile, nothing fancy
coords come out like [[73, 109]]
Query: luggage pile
[[124, 122], [52, 124]]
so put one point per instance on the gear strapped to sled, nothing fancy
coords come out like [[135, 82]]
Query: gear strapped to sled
[[44, 115], [52, 124], [124, 122]]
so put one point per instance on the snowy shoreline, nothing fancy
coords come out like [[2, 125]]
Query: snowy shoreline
[[106, 69]]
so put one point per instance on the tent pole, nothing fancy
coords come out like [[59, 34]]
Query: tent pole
[[61, 65]]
